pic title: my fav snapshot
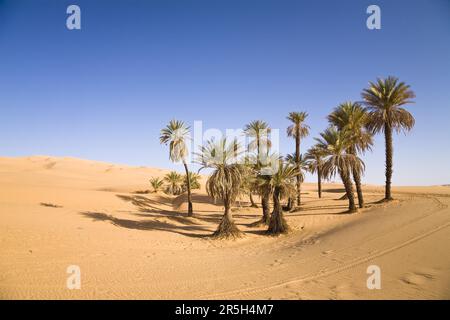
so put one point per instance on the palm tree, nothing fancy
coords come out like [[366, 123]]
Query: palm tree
[[174, 182], [281, 184], [259, 131], [194, 181], [298, 130], [335, 144], [291, 159], [353, 118], [248, 184], [265, 192], [384, 100], [225, 181], [314, 159], [156, 183], [176, 133]]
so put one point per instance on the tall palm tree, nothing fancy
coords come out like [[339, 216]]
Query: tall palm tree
[[335, 144], [259, 131], [298, 130], [314, 159], [384, 99], [156, 183], [225, 181], [174, 182], [281, 184], [353, 118], [176, 134]]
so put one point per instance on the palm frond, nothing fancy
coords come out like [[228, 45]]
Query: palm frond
[[353, 118], [298, 126], [384, 99], [175, 134]]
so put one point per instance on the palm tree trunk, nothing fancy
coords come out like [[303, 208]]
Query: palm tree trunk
[[252, 202], [190, 209], [227, 228], [345, 176], [389, 160], [277, 223], [297, 161], [258, 151], [357, 178], [289, 204], [265, 207], [319, 182]]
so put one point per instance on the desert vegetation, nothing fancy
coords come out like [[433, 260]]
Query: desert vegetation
[[385, 99], [225, 181], [156, 184], [176, 134], [277, 179]]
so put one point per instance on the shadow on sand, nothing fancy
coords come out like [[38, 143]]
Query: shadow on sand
[[194, 231], [150, 208]]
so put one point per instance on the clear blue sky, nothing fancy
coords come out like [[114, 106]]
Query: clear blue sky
[[105, 91]]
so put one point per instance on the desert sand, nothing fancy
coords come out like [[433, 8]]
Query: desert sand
[[56, 212]]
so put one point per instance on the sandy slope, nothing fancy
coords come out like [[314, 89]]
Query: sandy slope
[[142, 246]]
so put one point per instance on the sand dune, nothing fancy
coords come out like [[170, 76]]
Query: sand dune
[[56, 212]]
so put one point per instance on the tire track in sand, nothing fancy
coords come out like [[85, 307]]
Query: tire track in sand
[[240, 293]]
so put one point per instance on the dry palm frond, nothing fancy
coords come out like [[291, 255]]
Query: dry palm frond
[[176, 134], [225, 181]]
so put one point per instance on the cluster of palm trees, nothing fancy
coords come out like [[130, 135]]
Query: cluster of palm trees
[[174, 183], [337, 151]]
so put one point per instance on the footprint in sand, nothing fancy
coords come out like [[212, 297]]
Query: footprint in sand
[[417, 278], [276, 263]]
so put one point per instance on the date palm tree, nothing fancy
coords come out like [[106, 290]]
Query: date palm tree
[[353, 118], [156, 183], [259, 131], [225, 181], [298, 130], [176, 134], [249, 185], [265, 192], [384, 99], [194, 181], [174, 182], [291, 159], [281, 184], [337, 160], [314, 159]]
